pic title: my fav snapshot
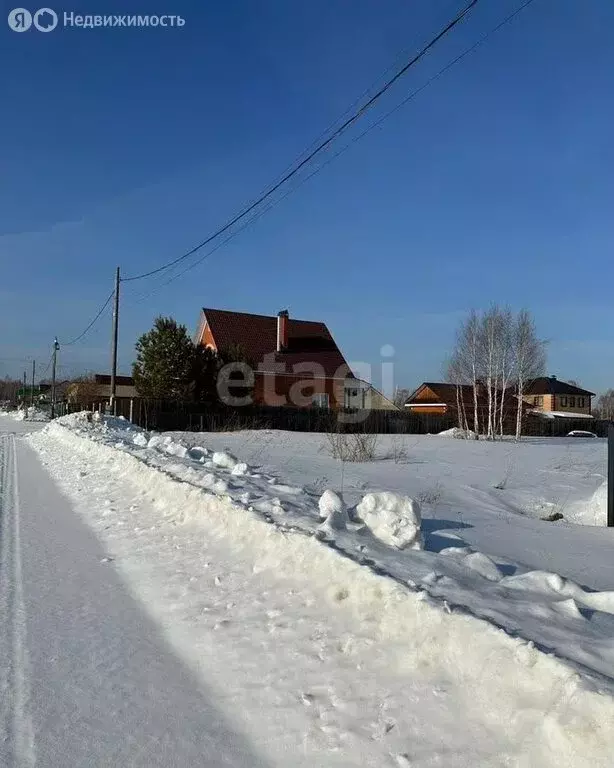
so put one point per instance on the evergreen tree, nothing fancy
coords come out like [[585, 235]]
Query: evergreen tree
[[165, 362], [205, 368]]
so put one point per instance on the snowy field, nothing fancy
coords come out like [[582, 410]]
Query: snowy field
[[325, 639], [489, 496]]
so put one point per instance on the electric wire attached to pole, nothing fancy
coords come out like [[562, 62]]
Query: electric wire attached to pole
[[92, 323], [331, 158], [318, 149]]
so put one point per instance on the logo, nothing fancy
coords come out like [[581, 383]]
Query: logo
[[20, 20], [45, 20]]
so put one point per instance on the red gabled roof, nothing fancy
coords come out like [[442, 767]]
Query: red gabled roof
[[308, 341]]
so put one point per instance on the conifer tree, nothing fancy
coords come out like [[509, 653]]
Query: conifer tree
[[164, 367]]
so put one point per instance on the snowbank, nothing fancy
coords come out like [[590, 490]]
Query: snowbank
[[385, 540], [459, 434], [31, 414], [597, 511]]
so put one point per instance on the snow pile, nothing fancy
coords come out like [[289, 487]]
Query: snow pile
[[224, 460], [483, 565], [31, 414], [459, 434], [545, 583], [332, 512], [594, 511], [392, 518], [175, 449], [597, 509], [140, 439]]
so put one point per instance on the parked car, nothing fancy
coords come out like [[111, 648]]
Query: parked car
[[581, 433]]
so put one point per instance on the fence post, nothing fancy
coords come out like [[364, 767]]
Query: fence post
[[131, 419], [611, 476]]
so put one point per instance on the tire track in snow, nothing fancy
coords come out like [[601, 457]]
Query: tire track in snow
[[17, 747]]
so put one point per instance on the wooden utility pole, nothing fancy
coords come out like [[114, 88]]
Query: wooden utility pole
[[56, 346], [114, 342], [33, 375], [25, 393], [611, 476]]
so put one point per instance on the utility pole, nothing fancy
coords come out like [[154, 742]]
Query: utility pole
[[33, 375], [56, 346], [25, 394], [114, 340]]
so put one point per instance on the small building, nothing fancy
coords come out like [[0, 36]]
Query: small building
[[445, 399], [552, 397], [124, 386], [291, 362], [98, 388]]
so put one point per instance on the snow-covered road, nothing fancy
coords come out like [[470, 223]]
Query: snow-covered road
[[86, 677]]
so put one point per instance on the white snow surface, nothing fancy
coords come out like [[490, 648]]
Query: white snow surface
[[375, 655], [87, 677], [31, 414], [458, 433]]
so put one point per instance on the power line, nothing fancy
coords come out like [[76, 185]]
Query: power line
[[402, 55], [343, 149], [44, 373], [90, 326], [321, 146]]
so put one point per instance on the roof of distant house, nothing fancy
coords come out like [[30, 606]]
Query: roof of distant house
[[308, 341], [550, 385], [121, 381], [449, 394]]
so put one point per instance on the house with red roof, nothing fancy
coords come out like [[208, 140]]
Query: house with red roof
[[293, 362]]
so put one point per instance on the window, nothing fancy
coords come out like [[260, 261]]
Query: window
[[320, 401], [538, 400], [580, 402], [563, 402], [572, 402]]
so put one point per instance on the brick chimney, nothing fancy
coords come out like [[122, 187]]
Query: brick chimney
[[282, 330]]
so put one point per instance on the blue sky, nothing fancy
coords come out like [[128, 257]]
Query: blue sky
[[128, 146]]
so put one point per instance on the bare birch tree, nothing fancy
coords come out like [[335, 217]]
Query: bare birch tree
[[529, 359], [506, 365], [454, 374], [496, 354], [604, 409], [466, 362], [401, 395], [496, 333]]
